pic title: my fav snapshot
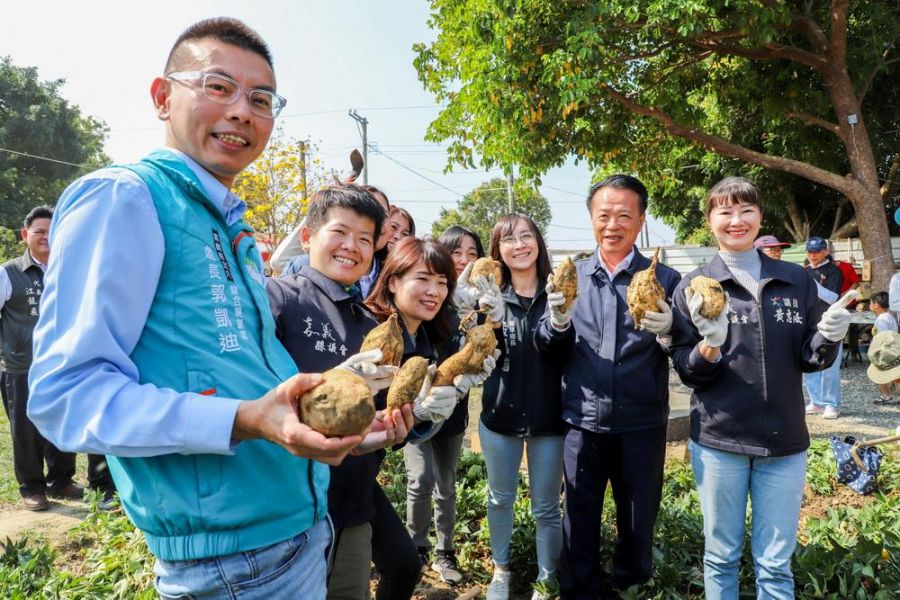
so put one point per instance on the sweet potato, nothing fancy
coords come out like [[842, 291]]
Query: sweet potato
[[713, 296], [407, 382], [565, 280], [644, 292], [487, 266], [340, 405], [388, 338], [480, 343]]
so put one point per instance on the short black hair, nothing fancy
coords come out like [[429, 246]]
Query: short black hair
[[225, 29], [350, 196], [453, 235], [620, 181], [38, 212], [882, 299]]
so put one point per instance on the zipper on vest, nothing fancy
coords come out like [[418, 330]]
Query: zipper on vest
[[312, 489]]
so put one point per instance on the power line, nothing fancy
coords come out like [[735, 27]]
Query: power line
[[374, 148], [62, 162]]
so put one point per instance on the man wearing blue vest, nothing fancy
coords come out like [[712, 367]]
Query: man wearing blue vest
[[156, 345]]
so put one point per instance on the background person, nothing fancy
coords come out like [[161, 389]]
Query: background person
[[431, 464], [521, 408], [615, 400], [884, 363], [400, 225], [770, 246], [824, 387], [748, 431], [156, 346]]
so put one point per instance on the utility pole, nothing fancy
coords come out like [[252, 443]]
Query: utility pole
[[362, 124], [510, 193], [303, 171]]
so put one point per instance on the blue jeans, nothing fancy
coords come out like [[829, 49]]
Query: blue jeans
[[503, 455], [294, 568], [775, 487], [824, 387]]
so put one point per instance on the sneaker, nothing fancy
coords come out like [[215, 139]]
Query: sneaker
[[36, 502], [445, 565], [499, 588], [813, 409], [831, 413]]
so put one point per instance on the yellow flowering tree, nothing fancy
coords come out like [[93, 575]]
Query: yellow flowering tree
[[276, 187]]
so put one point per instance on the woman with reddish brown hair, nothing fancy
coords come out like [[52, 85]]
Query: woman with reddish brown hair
[[416, 283]]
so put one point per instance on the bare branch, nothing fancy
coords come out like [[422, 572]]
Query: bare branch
[[811, 31], [845, 185], [813, 120], [770, 52], [848, 229]]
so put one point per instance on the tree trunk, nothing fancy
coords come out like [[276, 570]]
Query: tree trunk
[[874, 236], [799, 225]]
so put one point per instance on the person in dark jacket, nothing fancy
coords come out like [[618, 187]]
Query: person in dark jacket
[[431, 464], [748, 429], [824, 387], [521, 406], [321, 320], [615, 401], [417, 284]]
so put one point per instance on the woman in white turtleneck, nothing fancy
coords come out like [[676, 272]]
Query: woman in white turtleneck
[[748, 428]]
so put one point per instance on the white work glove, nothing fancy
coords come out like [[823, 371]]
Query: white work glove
[[464, 383], [378, 377], [465, 294], [490, 298], [558, 318], [660, 322], [714, 331], [834, 323], [434, 403]]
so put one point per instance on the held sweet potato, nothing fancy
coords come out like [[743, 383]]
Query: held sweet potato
[[565, 280], [713, 296], [644, 292], [480, 343], [407, 382], [340, 405], [388, 338], [487, 266]]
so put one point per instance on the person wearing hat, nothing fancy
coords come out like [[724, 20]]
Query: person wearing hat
[[824, 387], [884, 363], [770, 246]]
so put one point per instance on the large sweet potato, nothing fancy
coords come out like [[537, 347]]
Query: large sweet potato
[[480, 343], [644, 292], [340, 405], [388, 338]]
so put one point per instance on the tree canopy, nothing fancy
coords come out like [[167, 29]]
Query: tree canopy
[[680, 92], [36, 121], [482, 207]]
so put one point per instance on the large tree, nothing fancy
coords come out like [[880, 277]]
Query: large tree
[[276, 187], [779, 86], [36, 121], [479, 209]]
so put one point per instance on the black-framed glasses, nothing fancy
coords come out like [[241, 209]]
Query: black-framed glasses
[[225, 90]]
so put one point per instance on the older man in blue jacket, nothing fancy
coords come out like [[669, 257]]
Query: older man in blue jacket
[[615, 394]]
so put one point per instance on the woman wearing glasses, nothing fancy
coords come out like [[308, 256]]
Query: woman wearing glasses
[[521, 407]]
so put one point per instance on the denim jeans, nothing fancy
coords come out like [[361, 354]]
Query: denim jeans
[[775, 487], [431, 471], [824, 387], [294, 568], [503, 455]]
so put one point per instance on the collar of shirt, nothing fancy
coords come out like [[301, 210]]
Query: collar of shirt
[[334, 290], [623, 264], [231, 207], [38, 263]]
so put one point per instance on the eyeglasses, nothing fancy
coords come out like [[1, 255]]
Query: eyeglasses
[[226, 90], [510, 240]]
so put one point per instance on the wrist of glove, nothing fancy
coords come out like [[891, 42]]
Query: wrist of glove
[[714, 331], [836, 321], [437, 405], [377, 377]]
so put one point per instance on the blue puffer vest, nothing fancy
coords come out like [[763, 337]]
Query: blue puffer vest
[[210, 331]]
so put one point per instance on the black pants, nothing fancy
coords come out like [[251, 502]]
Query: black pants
[[30, 448], [633, 464], [393, 552]]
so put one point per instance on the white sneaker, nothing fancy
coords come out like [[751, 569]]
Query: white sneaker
[[499, 588], [813, 409], [831, 412]]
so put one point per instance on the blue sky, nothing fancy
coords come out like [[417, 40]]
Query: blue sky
[[330, 56]]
